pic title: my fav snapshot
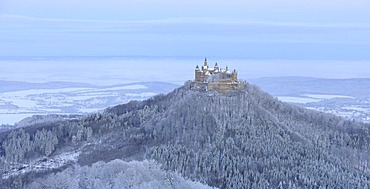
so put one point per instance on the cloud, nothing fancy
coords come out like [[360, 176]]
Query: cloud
[[192, 36], [190, 20], [205, 5]]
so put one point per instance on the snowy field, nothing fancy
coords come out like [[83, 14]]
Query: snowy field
[[17, 105], [341, 105], [318, 96], [301, 100], [308, 98]]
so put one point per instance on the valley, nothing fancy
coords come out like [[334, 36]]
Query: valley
[[16, 105], [349, 98]]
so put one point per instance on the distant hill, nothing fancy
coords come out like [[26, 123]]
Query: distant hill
[[237, 139], [6, 86], [278, 86]]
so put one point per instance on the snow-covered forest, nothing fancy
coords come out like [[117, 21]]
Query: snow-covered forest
[[237, 139]]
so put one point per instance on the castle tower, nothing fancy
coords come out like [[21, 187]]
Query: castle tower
[[234, 76], [198, 74], [216, 68], [205, 65]]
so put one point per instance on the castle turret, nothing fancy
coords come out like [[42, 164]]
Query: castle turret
[[227, 71], [205, 65], [216, 68], [198, 74], [234, 76]]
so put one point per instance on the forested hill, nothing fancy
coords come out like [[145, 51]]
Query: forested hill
[[237, 139]]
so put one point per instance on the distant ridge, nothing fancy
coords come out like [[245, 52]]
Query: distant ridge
[[7, 86], [293, 85]]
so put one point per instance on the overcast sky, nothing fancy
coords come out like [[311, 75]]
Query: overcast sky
[[293, 29], [296, 10]]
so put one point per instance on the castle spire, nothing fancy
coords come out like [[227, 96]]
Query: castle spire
[[205, 61]]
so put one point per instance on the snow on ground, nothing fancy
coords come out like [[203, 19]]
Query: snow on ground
[[88, 97], [43, 164], [25, 93], [23, 103], [318, 96], [12, 118], [119, 88], [145, 94], [356, 109], [127, 87], [89, 110], [66, 100], [302, 100], [53, 110], [8, 111], [308, 98]]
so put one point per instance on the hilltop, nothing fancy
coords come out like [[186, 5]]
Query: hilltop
[[235, 139]]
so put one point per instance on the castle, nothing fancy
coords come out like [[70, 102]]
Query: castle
[[216, 79]]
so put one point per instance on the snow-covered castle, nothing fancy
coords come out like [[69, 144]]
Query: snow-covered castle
[[216, 79]]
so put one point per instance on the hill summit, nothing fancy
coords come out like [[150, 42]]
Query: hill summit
[[234, 139]]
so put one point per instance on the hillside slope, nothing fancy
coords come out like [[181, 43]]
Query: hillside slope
[[238, 139]]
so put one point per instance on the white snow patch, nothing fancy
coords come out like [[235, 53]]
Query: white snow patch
[[144, 95], [318, 96], [43, 164], [49, 110], [356, 109], [89, 110], [127, 87], [88, 97], [12, 118], [25, 93], [292, 99], [23, 103], [11, 111]]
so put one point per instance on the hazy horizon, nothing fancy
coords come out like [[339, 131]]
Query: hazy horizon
[[114, 71]]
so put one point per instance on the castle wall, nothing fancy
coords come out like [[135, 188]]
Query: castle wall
[[219, 86], [225, 86], [234, 77], [198, 76]]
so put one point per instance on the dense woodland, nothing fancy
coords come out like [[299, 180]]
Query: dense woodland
[[115, 174], [237, 139]]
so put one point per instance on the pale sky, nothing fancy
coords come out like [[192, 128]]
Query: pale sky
[[292, 29], [312, 10]]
